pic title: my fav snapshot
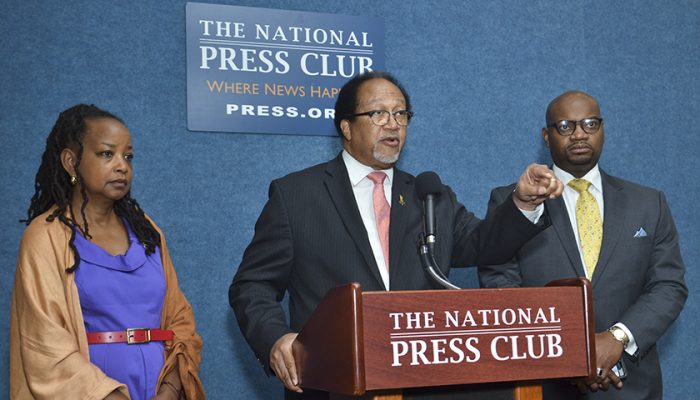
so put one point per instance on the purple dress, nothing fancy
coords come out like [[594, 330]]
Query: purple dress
[[120, 292]]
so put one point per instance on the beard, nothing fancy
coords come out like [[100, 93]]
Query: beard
[[386, 158], [387, 154]]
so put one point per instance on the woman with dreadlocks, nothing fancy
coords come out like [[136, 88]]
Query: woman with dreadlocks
[[97, 312]]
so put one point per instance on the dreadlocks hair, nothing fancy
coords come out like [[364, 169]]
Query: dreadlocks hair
[[52, 186]]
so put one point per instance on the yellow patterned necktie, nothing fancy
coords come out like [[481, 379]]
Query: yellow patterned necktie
[[590, 226]]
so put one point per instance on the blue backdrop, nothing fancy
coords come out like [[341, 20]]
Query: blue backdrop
[[480, 73]]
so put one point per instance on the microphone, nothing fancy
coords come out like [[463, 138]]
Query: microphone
[[429, 188]]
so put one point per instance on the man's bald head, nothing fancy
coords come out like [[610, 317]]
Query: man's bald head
[[565, 98]]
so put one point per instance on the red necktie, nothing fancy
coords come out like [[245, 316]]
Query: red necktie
[[382, 212]]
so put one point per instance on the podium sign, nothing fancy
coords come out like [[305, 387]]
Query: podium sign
[[356, 342], [473, 336]]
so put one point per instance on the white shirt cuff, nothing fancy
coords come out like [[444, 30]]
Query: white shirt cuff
[[631, 348], [533, 215]]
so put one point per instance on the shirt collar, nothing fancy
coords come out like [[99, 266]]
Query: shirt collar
[[592, 176], [358, 171]]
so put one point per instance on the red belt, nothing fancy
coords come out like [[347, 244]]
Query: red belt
[[130, 336]]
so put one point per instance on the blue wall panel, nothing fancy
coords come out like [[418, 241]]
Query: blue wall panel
[[480, 74]]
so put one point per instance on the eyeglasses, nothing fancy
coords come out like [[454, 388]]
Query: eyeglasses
[[381, 117], [568, 127]]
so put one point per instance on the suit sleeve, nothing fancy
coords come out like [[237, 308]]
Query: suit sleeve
[[496, 239], [185, 349], [503, 275], [51, 362], [665, 291], [262, 278]]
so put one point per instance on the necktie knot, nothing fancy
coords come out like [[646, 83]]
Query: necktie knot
[[377, 177], [579, 185]]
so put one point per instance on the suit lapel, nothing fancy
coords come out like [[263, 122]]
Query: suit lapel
[[615, 205], [338, 184], [562, 226], [401, 189]]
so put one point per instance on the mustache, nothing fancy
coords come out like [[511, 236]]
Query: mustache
[[579, 144], [389, 136]]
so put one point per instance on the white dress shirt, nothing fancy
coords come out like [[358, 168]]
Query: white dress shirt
[[570, 196], [363, 189]]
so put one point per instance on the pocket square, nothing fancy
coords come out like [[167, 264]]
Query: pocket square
[[640, 233]]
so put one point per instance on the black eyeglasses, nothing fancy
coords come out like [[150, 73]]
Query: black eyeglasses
[[568, 127], [381, 117]]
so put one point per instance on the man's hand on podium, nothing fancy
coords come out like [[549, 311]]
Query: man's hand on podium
[[282, 362]]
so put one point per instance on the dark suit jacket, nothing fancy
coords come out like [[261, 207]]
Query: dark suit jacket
[[310, 238], [638, 280]]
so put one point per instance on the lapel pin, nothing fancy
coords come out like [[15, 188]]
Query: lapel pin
[[401, 200]]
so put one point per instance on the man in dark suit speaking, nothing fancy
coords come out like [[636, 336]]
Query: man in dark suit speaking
[[620, 236], [357, 218]]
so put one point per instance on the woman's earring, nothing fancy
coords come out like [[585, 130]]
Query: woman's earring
[[73, 180]]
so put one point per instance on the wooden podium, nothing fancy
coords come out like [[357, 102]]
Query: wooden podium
[[371, 345]]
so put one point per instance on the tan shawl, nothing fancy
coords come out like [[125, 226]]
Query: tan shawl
[[49, 356]]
